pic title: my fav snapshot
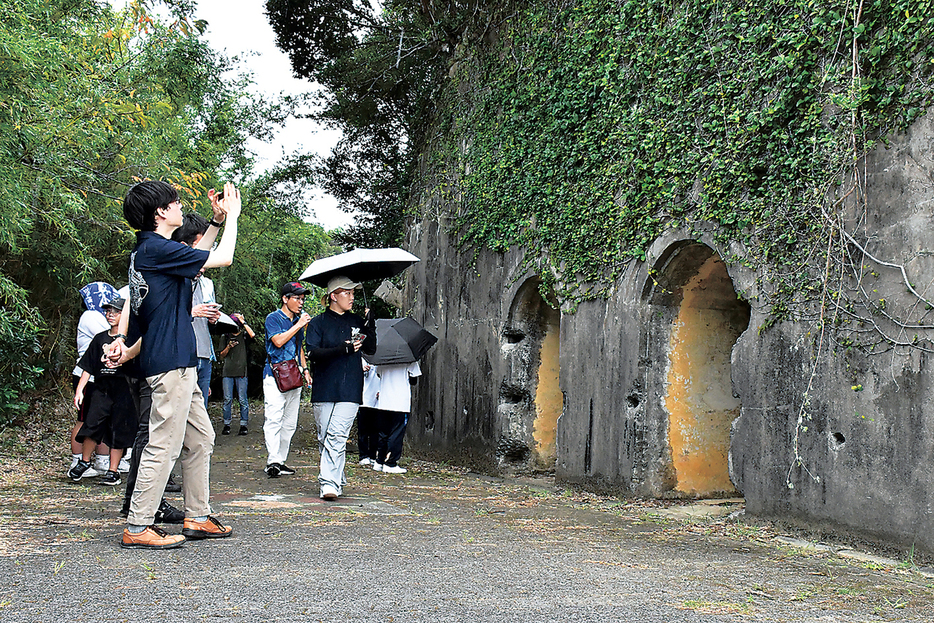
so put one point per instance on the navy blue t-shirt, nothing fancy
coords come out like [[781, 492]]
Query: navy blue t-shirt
[[277, 322], [161, 271]]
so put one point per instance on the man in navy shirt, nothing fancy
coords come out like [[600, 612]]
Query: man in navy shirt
[[335, 339], [161, 271]]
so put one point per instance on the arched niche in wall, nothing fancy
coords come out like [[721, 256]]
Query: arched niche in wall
[[695, 330], [530, 399]]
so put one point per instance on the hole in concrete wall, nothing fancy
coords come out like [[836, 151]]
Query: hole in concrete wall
[[837, 441], [512, 449], [530, 398], [513, 336], [511, 394], [633, 400], [706, 320], [430, 421]]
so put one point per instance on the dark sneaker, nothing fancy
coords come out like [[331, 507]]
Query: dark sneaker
[[285, 470], [82, 469], [226, 430], [169, 514], [171, 486], [210, 528], [273, 470], [110, 479], [151, 538], [243, 430]]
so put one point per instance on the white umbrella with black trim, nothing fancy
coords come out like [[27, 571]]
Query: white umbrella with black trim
[[359, 265]]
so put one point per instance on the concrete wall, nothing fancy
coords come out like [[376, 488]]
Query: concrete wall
[[677, 384]]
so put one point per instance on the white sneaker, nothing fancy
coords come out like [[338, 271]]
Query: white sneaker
[[101, 463], [377, 467], [124, 466], [366, 461], [394, 469], [93, 472], [328, 493], [74, 461]]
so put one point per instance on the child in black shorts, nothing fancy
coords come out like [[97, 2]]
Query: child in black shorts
[[111, 411]]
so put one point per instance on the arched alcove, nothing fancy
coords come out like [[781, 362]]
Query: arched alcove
[[530, 399], [699, 320]]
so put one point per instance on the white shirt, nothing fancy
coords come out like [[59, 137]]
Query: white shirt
[[395, 392], [370, 386], [90, 324]]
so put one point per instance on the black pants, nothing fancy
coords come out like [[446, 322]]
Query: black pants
[[142, 439], [391, 426], [367, 432]]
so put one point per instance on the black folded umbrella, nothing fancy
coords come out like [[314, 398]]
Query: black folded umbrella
[[400, 340]]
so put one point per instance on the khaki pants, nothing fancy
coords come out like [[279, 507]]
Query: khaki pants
[[178, 419]]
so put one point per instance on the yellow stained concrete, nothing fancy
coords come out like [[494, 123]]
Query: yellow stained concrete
[[699, 398], [548, 399]]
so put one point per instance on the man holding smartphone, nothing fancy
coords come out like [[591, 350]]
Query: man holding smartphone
[[204, 307], [334, 339]]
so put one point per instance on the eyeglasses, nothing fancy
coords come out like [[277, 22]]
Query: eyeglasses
[[110, 311]]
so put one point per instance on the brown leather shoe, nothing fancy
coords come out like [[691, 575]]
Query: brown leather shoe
[[208, 529], [152, 537]]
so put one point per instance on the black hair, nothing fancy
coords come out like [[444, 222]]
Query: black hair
[[193, 225], [142, 201]]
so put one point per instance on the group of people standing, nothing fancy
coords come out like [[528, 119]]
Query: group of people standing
[[151, 365], [331, 364]]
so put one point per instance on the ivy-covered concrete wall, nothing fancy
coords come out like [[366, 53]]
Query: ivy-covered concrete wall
[[827, 434], [729, 321]]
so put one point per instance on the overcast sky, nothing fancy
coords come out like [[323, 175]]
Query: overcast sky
[[241, 29]]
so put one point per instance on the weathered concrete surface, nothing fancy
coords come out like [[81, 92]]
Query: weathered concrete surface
[[659, 401], [437, 544]]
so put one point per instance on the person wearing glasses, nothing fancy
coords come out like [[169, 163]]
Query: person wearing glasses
[[160, 274], [284, 335], [336, 340]]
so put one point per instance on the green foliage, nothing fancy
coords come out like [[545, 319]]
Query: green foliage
[[273, 248], [590, 127], [380, 68], [90, 102], [19, 347]]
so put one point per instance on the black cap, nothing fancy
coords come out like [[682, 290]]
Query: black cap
[[116, 303], [294, 288]]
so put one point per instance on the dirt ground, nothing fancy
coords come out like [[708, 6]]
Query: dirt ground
[[436, 544]]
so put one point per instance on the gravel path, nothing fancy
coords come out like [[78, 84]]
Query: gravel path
[[437, 544]]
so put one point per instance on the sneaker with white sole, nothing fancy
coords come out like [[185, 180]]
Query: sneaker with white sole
[[394, 469], [82, 470], [328, 493], [110, 479], [366, 461], [124, 466], [377, 467]]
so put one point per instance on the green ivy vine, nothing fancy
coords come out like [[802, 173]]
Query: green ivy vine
[[581, 130]]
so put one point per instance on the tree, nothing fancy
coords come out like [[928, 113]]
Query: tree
[[90, 102], [381, 71]]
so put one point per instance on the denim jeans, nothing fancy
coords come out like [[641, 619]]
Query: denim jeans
[[240, 383], [204, 378]]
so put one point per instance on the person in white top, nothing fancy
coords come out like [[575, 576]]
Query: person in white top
[[367, 417], [394, 403], [91, 323]]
